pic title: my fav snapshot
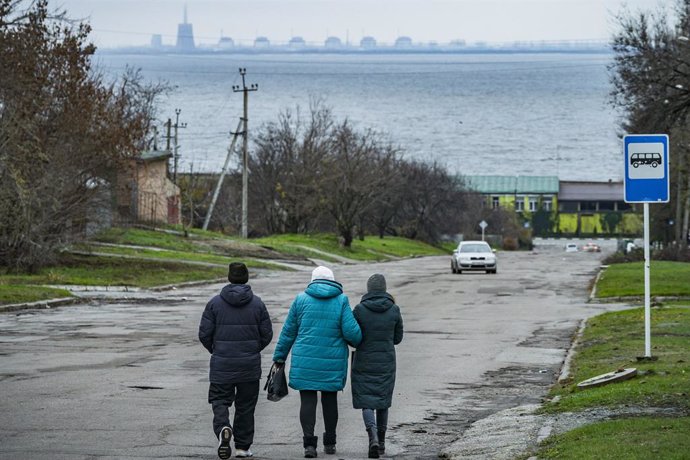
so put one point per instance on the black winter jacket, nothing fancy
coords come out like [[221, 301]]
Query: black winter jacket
[[234, 328], [373, 366]]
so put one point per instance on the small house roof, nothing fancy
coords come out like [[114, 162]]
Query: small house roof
[[591, 191], [512, 184], [154, 155]]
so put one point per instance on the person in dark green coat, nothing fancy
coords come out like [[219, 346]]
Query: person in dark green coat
[[373, 367]]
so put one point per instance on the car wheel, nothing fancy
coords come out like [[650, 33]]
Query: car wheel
[[452, 269], [459, 272]]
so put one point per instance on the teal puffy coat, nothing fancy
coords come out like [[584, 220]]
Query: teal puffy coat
[[318, 328]]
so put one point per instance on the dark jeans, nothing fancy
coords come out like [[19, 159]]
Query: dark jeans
[[244, 395], [380, 420], [307, 413]]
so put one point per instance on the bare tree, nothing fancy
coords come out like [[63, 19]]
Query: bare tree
[[357, 163], [287, 167], [651, 84], [63, 131]]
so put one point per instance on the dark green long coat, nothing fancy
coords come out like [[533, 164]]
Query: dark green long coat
[[373, 366]]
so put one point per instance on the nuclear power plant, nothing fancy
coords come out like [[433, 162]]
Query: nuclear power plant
[[185, 35]]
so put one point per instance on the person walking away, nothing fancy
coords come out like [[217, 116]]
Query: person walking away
[[234, 328], [318, 329], [373, 367]]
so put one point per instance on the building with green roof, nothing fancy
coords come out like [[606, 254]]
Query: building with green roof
[[575, 208], [521, 193]]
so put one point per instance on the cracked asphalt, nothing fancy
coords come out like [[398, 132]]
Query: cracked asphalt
[[129, 379]]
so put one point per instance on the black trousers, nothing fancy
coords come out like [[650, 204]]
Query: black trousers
[[307, 413], [244, 395]]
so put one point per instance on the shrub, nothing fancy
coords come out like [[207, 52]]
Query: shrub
[[510, 243]]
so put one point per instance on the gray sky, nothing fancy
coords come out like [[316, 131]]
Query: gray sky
[[131, 22]]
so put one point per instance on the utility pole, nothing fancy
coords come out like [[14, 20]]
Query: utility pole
[[176, 155], [245, 132], [168, 136]]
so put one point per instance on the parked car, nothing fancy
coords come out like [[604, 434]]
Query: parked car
[[591, 247], [571, 247], [474, 256]]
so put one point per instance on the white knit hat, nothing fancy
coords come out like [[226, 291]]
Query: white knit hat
[[322, 273]]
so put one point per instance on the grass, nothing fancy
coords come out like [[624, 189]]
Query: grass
[[10, 294], [614, 340], [632, 438], [107, 271], [141, 237], [667, 279], [372, 248], [181, 256]]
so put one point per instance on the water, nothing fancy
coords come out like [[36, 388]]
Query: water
[[537, 114]]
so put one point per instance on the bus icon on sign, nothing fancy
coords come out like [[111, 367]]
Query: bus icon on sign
[[652, 159]]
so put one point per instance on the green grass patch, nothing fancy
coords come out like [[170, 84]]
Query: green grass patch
[[112, 271], [630, 438], [449, 246], [372, 248], [10, 293], [614, 340], [181, 256], [141, 237], [667, 278]]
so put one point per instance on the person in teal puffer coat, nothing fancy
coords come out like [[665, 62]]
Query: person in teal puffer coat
[[318, 329]]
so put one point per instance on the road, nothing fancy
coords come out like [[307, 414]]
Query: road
[[129, 379]]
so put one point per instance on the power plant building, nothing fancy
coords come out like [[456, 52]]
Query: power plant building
[[185, 35]]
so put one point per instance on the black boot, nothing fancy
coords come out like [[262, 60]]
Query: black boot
[[373, 442], [382, 442], [310, 443], [329, 443]]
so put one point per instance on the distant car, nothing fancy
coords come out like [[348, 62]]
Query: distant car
[[571, 247], [474, 256], [591, 247]]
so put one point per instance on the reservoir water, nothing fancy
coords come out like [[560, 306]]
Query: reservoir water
[[534, 114]]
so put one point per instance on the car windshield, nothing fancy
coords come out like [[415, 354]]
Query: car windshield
[[475, 248]]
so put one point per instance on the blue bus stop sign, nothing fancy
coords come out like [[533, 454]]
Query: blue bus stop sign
[[646, 168]]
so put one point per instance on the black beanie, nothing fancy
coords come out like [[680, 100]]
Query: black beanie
[[376, 283], [238, 273]]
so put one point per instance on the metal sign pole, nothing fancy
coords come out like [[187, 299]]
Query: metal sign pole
[[647, 312]]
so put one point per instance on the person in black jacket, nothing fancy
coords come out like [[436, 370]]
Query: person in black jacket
[[373, 367], [234, 328]]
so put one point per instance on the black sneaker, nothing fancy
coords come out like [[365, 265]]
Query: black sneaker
[[310, 452], [224, 449], [329, 449]]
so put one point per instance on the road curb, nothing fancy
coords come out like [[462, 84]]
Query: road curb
[[565, 368], [593, 292], [41, 304], [169, 287]]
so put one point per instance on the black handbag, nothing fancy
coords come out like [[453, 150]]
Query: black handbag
[[276, 383]]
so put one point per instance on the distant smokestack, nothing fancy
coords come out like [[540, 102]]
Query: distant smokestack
[[185, 34]]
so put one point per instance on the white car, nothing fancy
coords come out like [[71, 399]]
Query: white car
[[474, 256], [571, 247]]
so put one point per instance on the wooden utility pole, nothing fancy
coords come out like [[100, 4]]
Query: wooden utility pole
[[176, 154], [168, 136], [245, 133]]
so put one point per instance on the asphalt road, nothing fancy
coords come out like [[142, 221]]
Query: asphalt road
[[129, 379]]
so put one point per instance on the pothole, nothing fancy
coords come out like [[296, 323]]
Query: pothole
[[144, 387]]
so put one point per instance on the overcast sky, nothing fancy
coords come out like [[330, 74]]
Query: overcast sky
[[131, 22]]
